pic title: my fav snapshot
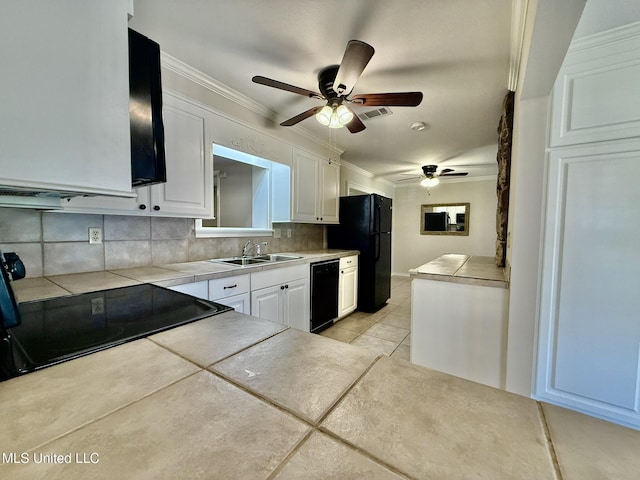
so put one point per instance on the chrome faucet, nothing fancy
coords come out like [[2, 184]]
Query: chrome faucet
[[247, 247], [259, 246]]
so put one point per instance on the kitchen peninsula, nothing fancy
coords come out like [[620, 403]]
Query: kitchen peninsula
[[459, 314]]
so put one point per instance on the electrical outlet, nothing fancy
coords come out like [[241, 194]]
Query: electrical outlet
[[277, 233], [95, 235], [289, 233]]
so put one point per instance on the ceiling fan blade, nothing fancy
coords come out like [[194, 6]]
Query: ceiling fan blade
[[355, 125], [302, 116], [404, 99], [461, 174], [285, 86], [446, 170], [356, 56]]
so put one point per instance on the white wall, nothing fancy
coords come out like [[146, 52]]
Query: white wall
[[236, 190], [359, 178], [411, 249]]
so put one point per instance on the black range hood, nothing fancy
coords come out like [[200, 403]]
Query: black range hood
[[148, 164]]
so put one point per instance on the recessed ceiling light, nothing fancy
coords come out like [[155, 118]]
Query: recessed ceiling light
[[418, 126]]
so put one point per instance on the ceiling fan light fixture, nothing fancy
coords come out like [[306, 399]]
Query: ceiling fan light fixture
[[324, 115], [344, 114], [334, 117], [429, 182]]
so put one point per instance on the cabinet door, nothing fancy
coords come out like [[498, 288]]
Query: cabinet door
[[588, 356], [348, 291], [240, 303], [188, 145], [64, 92], [304, 187], [329, 191], [266, 303], [296, 304], [188, 191]]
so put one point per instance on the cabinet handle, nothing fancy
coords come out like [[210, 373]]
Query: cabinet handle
[[281, 287], [142, 207], [286, 286], [156, 208], [231, 286]]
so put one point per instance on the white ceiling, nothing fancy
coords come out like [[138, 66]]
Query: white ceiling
[[455, 51]]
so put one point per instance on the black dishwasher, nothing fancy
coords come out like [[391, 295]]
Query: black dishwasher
[[324, 294]]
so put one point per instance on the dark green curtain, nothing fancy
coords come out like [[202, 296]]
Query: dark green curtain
[[505, 135]]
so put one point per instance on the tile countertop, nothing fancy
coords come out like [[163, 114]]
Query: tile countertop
[[234, 396], [169, 275], [472, 270]]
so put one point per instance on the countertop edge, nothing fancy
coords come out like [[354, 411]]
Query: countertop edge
[[166, 275]]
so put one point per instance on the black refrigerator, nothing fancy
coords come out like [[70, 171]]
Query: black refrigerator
[[365, 225]]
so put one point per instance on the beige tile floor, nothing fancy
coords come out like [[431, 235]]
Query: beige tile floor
[[386, 331]]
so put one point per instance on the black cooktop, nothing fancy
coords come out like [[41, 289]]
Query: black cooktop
[[60, 329]]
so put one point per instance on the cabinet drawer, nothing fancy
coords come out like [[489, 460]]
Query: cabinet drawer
[[196, 289], [351, 261], [228, 286], [279, 275]]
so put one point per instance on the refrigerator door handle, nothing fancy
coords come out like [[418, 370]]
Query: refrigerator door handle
[[376, 246], [377, 218]]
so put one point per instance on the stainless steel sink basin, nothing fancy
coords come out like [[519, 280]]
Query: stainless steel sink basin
[[276, 257], [240, 261], [258, 260]]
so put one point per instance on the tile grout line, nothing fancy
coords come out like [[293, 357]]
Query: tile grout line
[[115, 410], [550, 446], [296, 448], [362, 452]]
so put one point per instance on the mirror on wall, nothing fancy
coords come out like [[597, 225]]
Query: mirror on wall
[[445, 219]]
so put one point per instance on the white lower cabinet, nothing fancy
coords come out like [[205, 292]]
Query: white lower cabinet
[[240, 303], [232, 291], [348, 285], [282, 295], [195, 289], [279, 294]]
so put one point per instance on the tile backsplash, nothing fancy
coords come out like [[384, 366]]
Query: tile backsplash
[[52, 243]]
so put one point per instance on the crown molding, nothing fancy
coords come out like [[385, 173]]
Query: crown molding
[[365, 173], [200, 78], [518, 22], [605, 39]]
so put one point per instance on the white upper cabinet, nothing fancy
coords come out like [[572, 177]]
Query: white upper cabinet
[[315, 188], [189, 151], [188, 192], [595, 97], [64, 92], [588, 347]]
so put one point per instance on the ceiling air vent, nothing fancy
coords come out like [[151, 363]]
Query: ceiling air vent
[[378, 112]]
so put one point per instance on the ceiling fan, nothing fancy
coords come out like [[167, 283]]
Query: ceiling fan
[[336, 83], [431, 176]]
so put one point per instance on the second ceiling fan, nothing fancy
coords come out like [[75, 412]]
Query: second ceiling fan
[[336, 83]]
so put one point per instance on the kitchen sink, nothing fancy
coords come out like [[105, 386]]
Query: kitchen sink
[[257, 260], [242, 261], [276, 257]]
